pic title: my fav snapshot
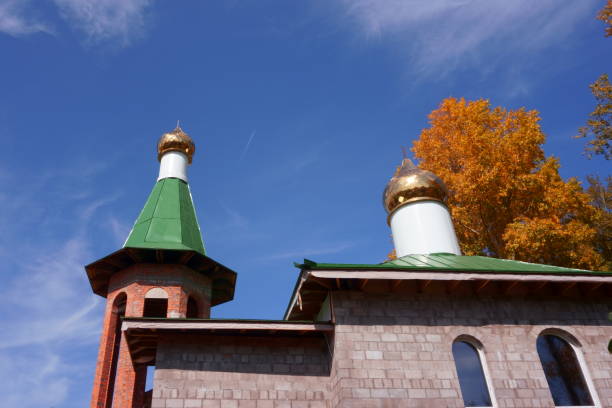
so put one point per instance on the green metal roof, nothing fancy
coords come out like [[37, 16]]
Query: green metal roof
[[168, 220], [450, 262]]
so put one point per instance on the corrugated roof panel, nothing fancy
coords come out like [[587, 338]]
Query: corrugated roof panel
[[190, 229], [435, 261], [415, 260], [149, 208], [450, 262], [472, 262], [399, 262], [168, 203], [446, 261]]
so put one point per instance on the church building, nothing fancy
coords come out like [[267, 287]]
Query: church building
[[431, 328]]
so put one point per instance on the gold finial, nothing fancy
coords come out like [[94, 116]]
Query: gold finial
[[176, 140], [410, 184]]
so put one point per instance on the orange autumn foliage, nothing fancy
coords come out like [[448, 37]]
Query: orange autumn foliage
[[605, 15], [506, 198]]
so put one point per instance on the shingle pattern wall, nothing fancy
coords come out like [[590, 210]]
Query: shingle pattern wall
[[388, 351], [208, 371], [391, 351]]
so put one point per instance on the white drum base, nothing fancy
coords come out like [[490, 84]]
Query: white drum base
[[423, 227], [173, 164]]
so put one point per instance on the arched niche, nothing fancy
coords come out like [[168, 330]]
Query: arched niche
[[155, 303]]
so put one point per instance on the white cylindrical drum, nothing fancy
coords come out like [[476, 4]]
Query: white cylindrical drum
[[423, 227], [173, 164]]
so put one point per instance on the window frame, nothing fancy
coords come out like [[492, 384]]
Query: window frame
[[577, 348], [478, 346]]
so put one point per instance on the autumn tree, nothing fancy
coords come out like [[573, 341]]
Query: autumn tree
[[600, 194], [605, 15], [599, 125], [506, 198]]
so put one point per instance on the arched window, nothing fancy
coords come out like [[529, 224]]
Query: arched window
[[192, 307], [469, 359], [156, 303], [564, 375]]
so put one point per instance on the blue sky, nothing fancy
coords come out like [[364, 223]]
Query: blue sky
[[298, 109]]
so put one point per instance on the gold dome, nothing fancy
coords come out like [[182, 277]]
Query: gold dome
[[410, 184], [178, 141]]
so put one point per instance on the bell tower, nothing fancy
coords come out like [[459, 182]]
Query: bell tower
[[161, 272]]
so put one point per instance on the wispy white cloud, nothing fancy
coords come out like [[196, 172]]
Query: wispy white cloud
[[88, 210], [51, 294], [305, 160], [235, 219], [15, 21], [112, 22], [119, 229], [50, 313], [118, 21], [440, 35], [21, 386], [248, 144], [302, 252], [48, 307]]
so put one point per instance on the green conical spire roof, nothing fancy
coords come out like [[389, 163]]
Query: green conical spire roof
[[168, 220], [167, 229]]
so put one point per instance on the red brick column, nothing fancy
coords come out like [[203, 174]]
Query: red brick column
[[103, 380], [117, 379], [203, 305], [177, 302], [125, 381]]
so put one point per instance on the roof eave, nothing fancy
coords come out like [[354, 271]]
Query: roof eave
[[142, 334], [340, 278], [222, 278]]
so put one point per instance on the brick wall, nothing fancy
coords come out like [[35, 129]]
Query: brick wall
[[134, 282], [178, 281], [389, 351], [394, 351], [206, 371]]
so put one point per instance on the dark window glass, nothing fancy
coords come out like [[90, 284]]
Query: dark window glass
[[563, 373], [471, 377], [155, 307]]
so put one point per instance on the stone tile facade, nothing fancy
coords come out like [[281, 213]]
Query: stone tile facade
[[241, 371], [389, 350], [393, 351]]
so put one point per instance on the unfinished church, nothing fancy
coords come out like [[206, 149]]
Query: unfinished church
[[431, 328]]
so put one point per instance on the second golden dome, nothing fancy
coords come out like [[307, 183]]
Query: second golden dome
[[410, 184], [176, 140]]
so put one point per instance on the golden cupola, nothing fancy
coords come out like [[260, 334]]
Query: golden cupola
[[415, 201], [176, 140], [410, 184]]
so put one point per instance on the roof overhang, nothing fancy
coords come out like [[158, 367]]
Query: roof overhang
[[143, 334], [313, 285], [223, 279]]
